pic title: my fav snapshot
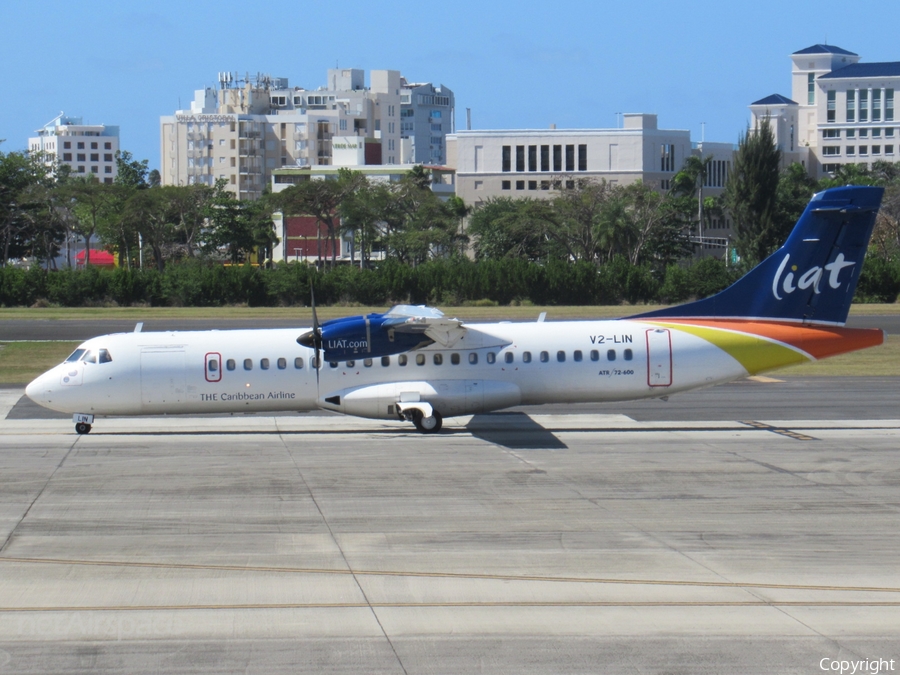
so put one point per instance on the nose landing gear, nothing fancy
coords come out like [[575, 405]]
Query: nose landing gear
[[83, 423]]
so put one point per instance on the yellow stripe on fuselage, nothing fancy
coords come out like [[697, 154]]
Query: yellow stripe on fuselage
[[756, 354]]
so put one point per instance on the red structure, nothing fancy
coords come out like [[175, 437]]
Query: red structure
[[98, 258], [305, 237]]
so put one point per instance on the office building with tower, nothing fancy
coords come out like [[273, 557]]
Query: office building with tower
[[841, 111]]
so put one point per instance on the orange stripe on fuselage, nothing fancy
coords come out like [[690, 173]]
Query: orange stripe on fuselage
[[818, 341]]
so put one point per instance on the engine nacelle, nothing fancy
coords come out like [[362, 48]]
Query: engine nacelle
[[364, 336], [448, 397]]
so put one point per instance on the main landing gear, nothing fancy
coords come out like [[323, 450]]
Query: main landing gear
[[82, 428], [427, 425]]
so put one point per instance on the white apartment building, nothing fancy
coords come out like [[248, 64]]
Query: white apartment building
[[427, 117], [85, 148], [526, 163], [245, 129], [841, 110]]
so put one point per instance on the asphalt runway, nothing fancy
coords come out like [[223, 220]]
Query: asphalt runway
[[546, 543], [74, 329]]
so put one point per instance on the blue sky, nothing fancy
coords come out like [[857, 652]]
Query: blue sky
[[515, 64]]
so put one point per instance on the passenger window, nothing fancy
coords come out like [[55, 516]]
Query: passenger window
[[454, 358], [213, 367], [90, 357], [560, 356], [508, 357], [230, 364], [611, 355], [75, 356], [351, 364], [438, 359], [595, 355], [629, 355], [401, 360], [264, 364], [545, 357], [420, 359], [577, 355], [104, 356], [282, 363], [385, 361], [526, 357], [367, 363], [473, 358], [298, 363], [491, 357], [248, 364]]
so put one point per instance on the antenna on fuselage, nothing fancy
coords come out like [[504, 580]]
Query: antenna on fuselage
[[139, 327]]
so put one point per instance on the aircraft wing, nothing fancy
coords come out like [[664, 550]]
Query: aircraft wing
[[425, 321]]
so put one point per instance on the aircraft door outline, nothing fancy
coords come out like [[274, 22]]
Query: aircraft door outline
[[659, 357]]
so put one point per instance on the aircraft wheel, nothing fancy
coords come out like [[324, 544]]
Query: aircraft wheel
[[82, 428], [428, 425]]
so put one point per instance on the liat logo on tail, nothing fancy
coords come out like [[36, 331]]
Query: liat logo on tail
[[811, 277]]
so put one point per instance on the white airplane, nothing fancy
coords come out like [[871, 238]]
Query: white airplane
[[415, 364]]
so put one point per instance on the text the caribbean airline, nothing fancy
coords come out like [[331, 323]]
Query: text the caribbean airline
[[413, 363]]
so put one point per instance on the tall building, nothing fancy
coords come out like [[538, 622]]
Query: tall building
[[247, 128], [841, 111], [527, 162], [427, 116], [86, 148]]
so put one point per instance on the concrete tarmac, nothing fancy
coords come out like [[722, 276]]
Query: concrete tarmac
[[257, 544]]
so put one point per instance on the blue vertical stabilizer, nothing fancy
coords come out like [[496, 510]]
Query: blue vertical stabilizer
[[812, 278]]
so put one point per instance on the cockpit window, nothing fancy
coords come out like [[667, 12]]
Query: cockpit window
[[75, 356], [104, 356], [90, 357]]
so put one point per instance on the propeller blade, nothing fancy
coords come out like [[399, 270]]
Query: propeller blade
[[317, 333]]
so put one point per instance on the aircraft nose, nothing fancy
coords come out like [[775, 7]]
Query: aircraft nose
[[38, 389]]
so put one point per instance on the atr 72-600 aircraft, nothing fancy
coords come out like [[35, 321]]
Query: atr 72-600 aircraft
[[415, 364]]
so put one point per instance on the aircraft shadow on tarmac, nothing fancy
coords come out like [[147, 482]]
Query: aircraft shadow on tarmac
[[513, 430]]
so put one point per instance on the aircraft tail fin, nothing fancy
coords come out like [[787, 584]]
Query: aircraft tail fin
[[812, 277]]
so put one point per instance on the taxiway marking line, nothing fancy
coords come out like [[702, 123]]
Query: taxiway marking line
[[448, 575], [781, 431], [439, 605]]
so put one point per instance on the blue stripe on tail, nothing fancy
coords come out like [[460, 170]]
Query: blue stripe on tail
[[812, 278]]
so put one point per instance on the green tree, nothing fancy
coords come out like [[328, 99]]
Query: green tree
[[240, 228], [504, 228], [95, 206], [418, 225], [363, 213], [321, 199], [20, 173], [795, 189], [151, 212], [751, 195]]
